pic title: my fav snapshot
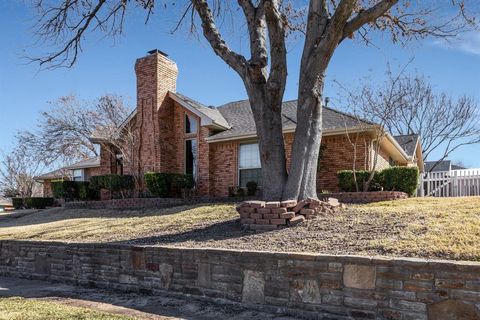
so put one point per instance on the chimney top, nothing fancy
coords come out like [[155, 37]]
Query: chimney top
[[158, 51]]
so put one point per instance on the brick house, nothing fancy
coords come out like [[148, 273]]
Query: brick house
[[80, 171], [218, 145]]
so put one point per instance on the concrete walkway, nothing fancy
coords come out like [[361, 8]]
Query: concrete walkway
[[134, 305]]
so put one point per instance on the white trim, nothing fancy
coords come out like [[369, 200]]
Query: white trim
[[205, 120], [331, 132]]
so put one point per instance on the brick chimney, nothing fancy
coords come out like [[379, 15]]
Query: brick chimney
[[156, 75]]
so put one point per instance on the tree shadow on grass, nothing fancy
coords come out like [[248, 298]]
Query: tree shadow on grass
[[60, 214], [230, 229]]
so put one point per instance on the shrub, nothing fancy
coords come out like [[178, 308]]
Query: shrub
[[346, 180], [118, 185], [17, 203], [165, 185], [251, 188], [65, 189], [85, 192], [158, 183], [38, 203], [73, 190], [404, 179], [236, 192]]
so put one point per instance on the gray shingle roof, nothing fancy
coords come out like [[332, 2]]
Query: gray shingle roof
[[239, 116], [432, 166], [87, 163], [408, 142], [52, 175], [444, 165], [212, 113], [64, 172]]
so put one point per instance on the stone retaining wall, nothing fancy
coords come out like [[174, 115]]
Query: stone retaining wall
[[145, 203], [365, 197], [307, 285]]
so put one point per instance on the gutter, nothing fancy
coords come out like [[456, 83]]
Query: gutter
[[328, 132]]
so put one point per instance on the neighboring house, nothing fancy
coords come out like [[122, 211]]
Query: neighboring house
[[80, 171], [218, 145], [443, 165]]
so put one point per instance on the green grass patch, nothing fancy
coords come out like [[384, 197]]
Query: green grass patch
[[32, 309]]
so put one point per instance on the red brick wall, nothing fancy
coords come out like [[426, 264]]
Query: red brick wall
[[156, 75], [47, 188], [223, 167], [337, 156]]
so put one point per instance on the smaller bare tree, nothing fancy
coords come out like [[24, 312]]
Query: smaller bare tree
[[408, 104], [373, 114], [119, 141], [63, 132], [18, 170]]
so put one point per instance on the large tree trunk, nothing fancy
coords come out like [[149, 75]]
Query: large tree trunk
[[302, 178], [266, 108]]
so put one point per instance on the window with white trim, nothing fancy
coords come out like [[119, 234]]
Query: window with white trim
[[191, 157], [190, 124], [249, 166], [77, 175]]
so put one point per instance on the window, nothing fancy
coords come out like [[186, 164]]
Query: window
[[190, 124], [191, 157], [249, 165], [78, 175]]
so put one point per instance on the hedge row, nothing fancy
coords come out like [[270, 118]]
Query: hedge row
[[166, 185], [74, 190], [119, 186], [32, 202], [404, 179]]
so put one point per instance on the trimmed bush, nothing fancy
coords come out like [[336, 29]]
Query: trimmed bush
[[346, 180], [38, 203], [119, 186], [65, 189], [166, 185], [17, 203], [404, 179], [251, 188], [73, 190], [236, 192], [158, 183]]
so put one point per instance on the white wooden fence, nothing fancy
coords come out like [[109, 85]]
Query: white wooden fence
[[454, 183]]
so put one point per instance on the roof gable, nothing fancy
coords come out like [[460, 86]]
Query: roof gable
[[408, 142]]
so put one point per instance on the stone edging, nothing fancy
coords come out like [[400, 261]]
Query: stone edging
[[365, 197], [300, 284]]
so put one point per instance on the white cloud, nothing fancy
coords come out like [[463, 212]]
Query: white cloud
[[469, 43]]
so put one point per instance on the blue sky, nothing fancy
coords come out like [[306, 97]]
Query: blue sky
[[106, 66]]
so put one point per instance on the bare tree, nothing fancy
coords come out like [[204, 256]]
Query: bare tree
[[63, 132], [327, 25], [120, 142], [373, 113], [408, 104], [17, 172]]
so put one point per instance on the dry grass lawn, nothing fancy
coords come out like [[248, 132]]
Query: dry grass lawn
[[33, 309], [417, 227]]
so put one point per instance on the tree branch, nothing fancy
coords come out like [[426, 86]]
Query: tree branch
[[211, 33], [367, 16]]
